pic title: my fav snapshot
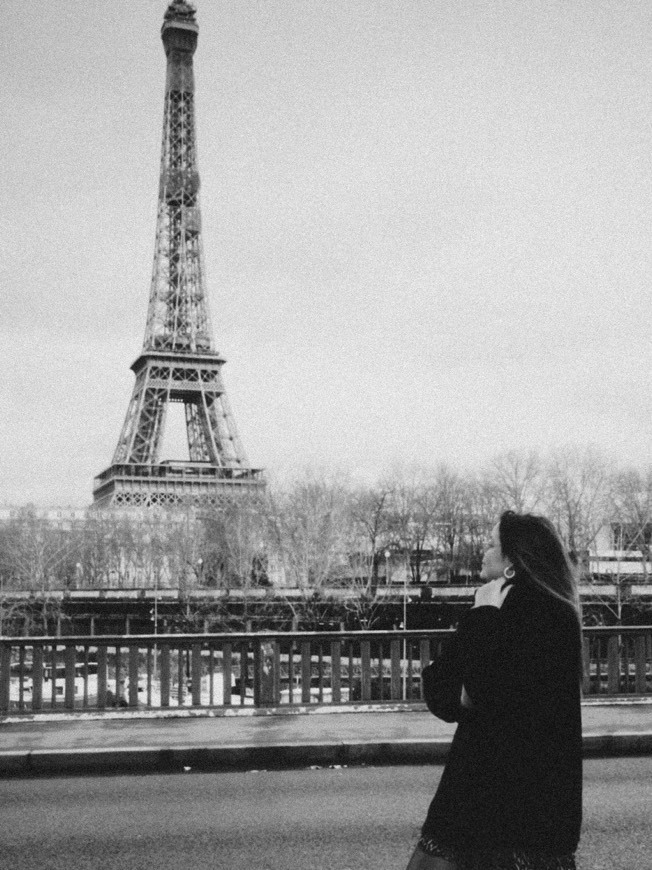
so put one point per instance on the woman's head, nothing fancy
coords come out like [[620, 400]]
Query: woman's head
[[532, 547], [494, 562]]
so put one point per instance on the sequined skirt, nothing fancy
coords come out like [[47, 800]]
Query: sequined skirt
[[498, 859]]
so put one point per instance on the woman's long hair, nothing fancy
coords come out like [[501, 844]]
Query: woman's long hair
[[534, 548]]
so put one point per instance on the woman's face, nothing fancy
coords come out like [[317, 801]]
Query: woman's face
[[494, 563]]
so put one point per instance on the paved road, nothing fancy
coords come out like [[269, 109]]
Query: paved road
[[348, 819]]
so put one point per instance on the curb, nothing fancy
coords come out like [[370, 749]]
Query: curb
[[616, 743], [250, 712], [211, 758], [179, 759]]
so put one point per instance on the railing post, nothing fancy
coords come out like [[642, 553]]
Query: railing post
[[244, 670], [102, 657], [395, 667], [53, 680], [586, 665], [181, 674], [37, 676], [21, 678], [640, 663], [133, 675], [119, 681], [613, 665], [227, 666], [264, 674], [306, 671], [70, 660], [5, 677], [196, 674], [365, 667], [336, 671], [165, 675], [277, 672]]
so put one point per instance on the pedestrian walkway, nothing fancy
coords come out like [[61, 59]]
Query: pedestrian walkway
[[121, 742]]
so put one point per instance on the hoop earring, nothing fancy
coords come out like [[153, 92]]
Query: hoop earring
[[509, 573]]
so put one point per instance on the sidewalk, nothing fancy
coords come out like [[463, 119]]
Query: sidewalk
[[120, 742]]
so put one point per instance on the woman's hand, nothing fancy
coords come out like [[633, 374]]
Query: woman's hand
[[492, 594]]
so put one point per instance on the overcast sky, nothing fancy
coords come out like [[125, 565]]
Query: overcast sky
[[427, 227]]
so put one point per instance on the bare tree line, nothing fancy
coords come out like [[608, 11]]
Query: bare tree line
[[320, 530]]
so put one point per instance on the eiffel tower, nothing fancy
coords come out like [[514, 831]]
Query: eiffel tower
[[178, 362]]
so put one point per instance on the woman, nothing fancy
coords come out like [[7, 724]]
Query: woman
[[510, 796]]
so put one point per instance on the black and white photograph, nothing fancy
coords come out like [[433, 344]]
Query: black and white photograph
[[326, 468]]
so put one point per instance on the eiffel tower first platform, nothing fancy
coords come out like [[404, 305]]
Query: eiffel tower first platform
[[178, 362]]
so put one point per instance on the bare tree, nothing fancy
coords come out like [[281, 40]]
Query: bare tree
[[516, 477], [631, 512], [577, 496], [368, 518], [107, 558], [308, 534], [450, 526], [127, 550], [234, 558], [412, 519], [41, 557], [630, 525], [484, 504], [37, 555]]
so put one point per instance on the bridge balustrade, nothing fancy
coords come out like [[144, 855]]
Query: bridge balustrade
[[280, 669]]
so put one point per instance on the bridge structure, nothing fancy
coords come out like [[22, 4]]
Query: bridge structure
[[130, 611]]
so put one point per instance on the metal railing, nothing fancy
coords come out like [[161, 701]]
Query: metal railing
[[270, 669]]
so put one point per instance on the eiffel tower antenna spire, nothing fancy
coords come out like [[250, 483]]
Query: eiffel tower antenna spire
[[178, 362]]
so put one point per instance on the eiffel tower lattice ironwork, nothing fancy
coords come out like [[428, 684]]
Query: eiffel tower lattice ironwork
[[178, 362]]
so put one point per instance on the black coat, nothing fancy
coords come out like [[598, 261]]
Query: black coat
[[513, 777]]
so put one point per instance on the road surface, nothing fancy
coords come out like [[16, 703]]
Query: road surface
[[363, 818]]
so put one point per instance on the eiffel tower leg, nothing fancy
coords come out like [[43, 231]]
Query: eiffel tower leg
[[198, 443], [148, 435], [224, 433], [143, 426], [209, 436]]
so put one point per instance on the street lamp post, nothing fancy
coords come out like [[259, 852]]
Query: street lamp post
[[155, 622], [405, 576], [156, 606], [405, 594]]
